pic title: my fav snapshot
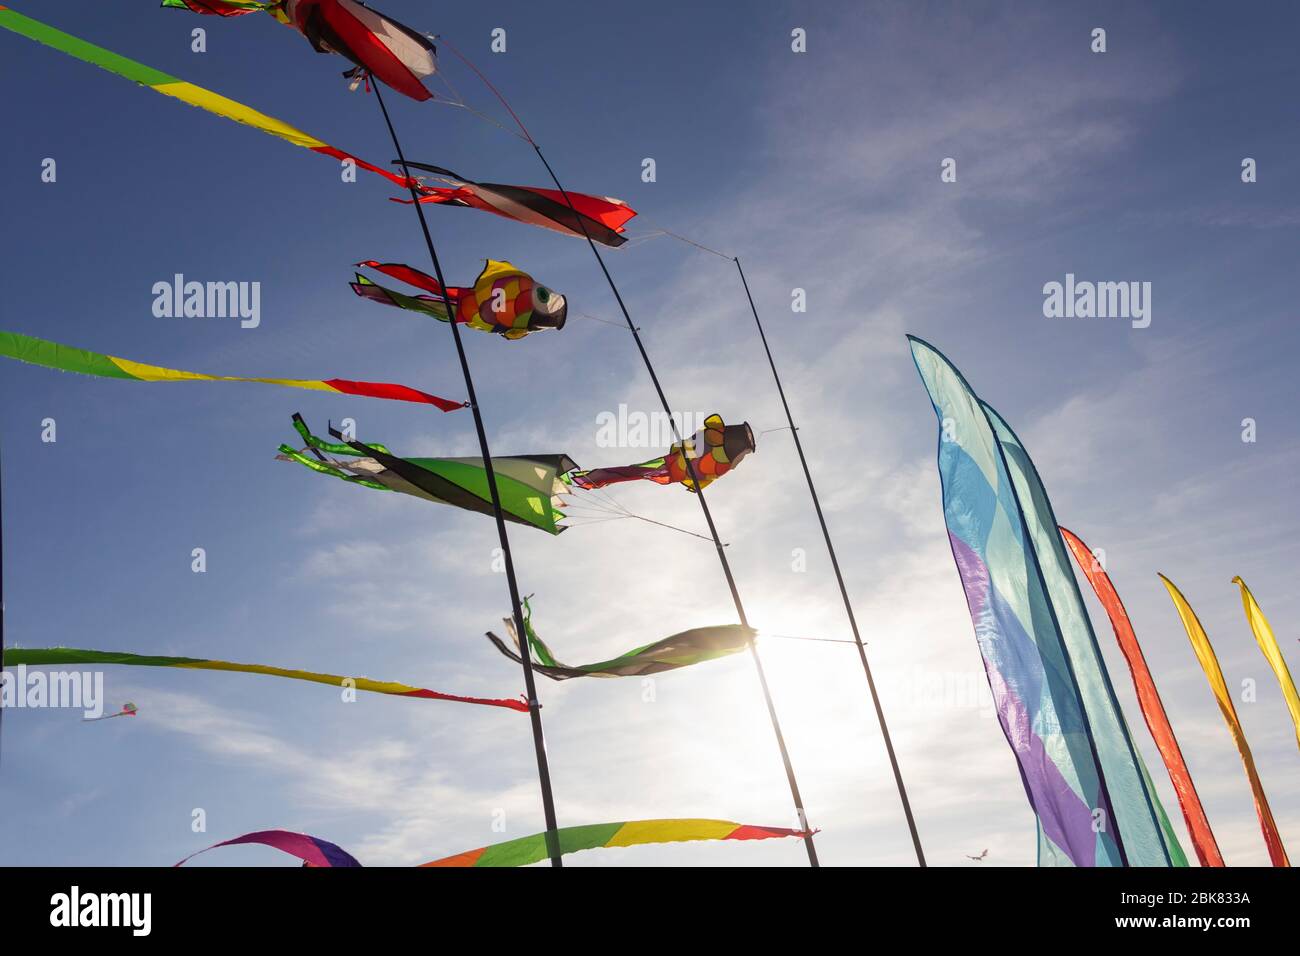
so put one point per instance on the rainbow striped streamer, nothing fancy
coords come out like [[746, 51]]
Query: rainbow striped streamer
[[172, 86], [61, 656], [530, 849], [65, 358]]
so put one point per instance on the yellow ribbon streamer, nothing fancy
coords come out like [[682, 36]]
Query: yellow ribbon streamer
[[1214, 674], [1272, 652]]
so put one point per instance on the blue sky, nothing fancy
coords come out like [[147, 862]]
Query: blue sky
[[821, 170]]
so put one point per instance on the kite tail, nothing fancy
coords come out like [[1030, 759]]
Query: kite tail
[[334, 448], [540, 655], [289, 454], [554, 673], [539, 649]]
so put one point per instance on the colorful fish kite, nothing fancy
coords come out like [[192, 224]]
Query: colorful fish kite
[[529, 486], [681, 650], [1263, 632], [65, 358], [714, 450], [1214, 674], [67, 656], [1027, 622], [1153, 709], [502, 300], [377, 44], [172, 86], [314, 851], [128, 710], [602, 218]]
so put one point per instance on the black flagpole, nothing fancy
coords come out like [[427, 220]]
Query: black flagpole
[[844, 592], [708, 518], [534, 707]]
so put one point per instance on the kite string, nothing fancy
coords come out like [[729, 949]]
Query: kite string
[[614, 510], [596, 318], [680, 238], [660, 231], [796, 637], [488, 83], [459, 101]]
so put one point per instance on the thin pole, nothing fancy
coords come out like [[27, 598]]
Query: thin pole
[[708, 518], [844, 592], [534, 707]]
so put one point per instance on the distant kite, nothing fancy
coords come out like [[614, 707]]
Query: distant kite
[[128, 710]]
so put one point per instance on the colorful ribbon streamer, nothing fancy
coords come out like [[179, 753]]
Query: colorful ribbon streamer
[[169, 85], [1273, 654], [1153, 709], [314, 851], [65, 358], [1214, 674], [63, 656]]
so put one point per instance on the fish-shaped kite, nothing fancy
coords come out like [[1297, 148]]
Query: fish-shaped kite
[[503, 299], [714, 450]]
